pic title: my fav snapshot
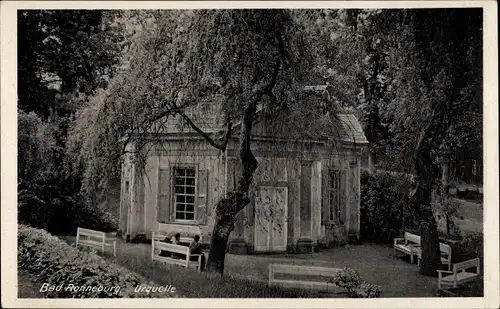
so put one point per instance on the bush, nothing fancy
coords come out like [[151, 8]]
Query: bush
[[385, 207], [470, 246], [349, 280], [48, 198], [367, 290], [57, 264], [61, 216]]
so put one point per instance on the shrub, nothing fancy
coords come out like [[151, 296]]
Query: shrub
[[385, 207], [470, 246], [61, 216], [367, 290], [56, 263], [48, 197], [349, 280]]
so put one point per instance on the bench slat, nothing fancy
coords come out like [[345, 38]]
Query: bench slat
[[171, 247], [412, 238], [162, 236], [466, 264], [444, 248], [88, 232], [93, 242], [301, 284], [303, 270], [460, 277], [173, 261]]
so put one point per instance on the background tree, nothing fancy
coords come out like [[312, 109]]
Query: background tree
[[411, 89], [63, 56], [435, 99]]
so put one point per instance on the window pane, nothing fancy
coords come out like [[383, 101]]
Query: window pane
[[189, 190], [190, 172], [181, 207], [179, 172], [190, 208], [179, 215], [181, 198], [190, 199], [190, 181], [179, 189], [179, 181], [189, 216]]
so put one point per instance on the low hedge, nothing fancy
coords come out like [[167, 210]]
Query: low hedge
[[76, 273]]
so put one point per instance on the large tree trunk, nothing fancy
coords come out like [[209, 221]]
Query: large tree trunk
[[228, 207], [425, 170], [429, 237], [218, 244], [446, 191]]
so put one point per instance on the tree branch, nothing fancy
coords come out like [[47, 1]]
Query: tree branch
[[214, 144]]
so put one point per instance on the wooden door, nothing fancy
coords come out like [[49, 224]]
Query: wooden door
[[271, 205]]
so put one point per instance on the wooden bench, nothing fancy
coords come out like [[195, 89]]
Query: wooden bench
[[459, 275], [407, 245], [298, 270], [158, 246], [445, 255], [95, 239]]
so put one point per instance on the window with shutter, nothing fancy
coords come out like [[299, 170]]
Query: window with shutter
[[184, 193]]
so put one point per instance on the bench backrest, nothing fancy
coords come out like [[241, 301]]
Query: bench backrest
[[162, 236], [412, 238], [186, 240], [300, 270], [90, 233], [171, 247], [474, 263], [446, 249]]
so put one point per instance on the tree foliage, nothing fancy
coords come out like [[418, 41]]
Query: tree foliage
[[63, 56], [418, 91], [62, 51]]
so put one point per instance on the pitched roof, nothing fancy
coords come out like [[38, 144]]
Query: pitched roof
[[352, 130], [209, 118]]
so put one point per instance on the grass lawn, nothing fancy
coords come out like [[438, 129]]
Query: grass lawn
[[472, 212], [246, 276], [374, 263]]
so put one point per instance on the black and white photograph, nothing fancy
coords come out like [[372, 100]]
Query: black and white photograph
[[315, 153]]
